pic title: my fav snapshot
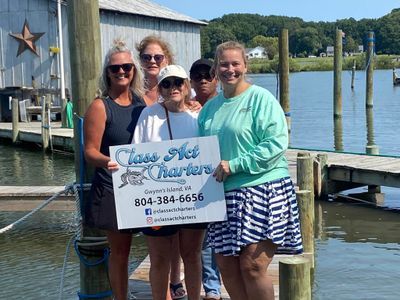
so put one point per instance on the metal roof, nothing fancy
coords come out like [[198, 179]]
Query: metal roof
[[146, 8]]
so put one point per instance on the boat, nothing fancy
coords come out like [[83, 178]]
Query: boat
[[396, 78]]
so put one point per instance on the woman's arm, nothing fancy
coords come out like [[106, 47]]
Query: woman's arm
[[93, 129]]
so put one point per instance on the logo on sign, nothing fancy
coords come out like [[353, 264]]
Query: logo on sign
[[149, 220], [148, 212]]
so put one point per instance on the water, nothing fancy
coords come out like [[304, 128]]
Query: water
[[357, 247]]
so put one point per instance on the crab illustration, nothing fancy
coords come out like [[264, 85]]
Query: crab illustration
[[133, 177]]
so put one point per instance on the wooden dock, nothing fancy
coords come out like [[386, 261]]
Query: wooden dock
[[30, 132], [140, 286], [343, 169]]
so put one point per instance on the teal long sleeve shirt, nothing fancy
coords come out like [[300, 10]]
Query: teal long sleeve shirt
[[252, 133]]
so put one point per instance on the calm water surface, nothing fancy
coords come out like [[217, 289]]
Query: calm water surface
[[358, 248]]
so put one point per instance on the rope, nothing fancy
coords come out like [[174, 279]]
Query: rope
[[66, 190], [60, 296], [95, 296], [106, 254]]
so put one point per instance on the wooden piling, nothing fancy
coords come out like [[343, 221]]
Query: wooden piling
[[15, 119], [294, 279], [85, 60], [305, 172], [307, 220], [45, 122], [338, 133], [371, 148], [323, 165], [337, 75], [284, 75], [353, 73], [370, 70]]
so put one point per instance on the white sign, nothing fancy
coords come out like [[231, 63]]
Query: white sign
[[167, 183]]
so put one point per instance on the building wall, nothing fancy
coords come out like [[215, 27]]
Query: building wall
[[18, 71], [41, 15], [184, 38]]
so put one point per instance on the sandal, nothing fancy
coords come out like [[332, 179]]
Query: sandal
[[177, 291]]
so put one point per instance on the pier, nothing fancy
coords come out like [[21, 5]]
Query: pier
[[343, 171], [31, 132]]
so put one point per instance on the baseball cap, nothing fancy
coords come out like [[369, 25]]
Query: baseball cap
[[201, 62], [171, 71]]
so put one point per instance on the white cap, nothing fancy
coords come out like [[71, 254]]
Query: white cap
[[172, 71]]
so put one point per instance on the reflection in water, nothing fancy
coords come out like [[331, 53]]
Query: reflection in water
[[33, 167], [338, 133], [32, 256], [357, 253]]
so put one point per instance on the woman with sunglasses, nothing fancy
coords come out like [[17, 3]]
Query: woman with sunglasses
[[154, 55], [110, 120], [172, 119], [260, 196]]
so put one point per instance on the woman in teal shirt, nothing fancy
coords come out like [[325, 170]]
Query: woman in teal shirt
[[261, 200]]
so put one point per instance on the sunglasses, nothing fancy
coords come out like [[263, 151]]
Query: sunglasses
[[116, 68], [167, 84], [200, 76], [158, 58]]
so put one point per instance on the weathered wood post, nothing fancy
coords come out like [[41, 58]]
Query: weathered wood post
[[85, 58], [307, 220], [15, 119], [338, 133], [337, 75], [284, 75], [353, 74], [45, 122], [323, 166], [370, 70], [305, 172], [371, 148], [294, 279]]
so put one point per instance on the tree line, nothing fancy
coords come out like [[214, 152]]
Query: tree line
[[305, 38]]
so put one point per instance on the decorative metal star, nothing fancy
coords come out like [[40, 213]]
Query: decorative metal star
[[26, 39]]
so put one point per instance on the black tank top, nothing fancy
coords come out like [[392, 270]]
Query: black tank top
[[120, 125]]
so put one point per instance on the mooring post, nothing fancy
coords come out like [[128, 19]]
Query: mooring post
[[284, 75], [294, 278], [85, 60], [305, 172], [371, 148], [15, 119], [323, 166], [370, 70], [353, 73], [307, 221], [338, 133], [337, 75], [45, 122]]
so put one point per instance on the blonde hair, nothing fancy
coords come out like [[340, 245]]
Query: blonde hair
[[229, 45], [153, 39], [137, 84]]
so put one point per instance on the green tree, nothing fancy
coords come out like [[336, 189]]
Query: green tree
[[213, 35]]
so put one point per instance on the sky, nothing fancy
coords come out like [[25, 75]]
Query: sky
[[308, 10]]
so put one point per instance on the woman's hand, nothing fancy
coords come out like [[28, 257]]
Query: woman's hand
[[112, 166], [222, 171], [193, 105]]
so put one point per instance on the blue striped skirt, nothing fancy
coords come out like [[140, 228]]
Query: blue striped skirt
[[265, 212]]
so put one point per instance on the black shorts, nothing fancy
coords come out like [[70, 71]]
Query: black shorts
[[171, 229], [99, 210]]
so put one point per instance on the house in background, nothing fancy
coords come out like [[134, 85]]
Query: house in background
[[257, 52], [330, 51], [24, 68]]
